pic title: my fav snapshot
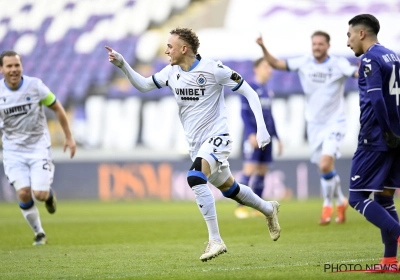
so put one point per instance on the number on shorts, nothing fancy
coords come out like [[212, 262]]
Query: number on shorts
[[47, 165]]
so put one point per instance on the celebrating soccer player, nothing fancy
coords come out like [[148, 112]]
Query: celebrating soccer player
[[322, 77], [197, 84], [27, 158], [256, 161], [376, 162]]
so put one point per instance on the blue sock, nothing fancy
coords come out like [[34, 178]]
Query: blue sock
[[27, 205], [258, 185], [374, 213], [390, 243]]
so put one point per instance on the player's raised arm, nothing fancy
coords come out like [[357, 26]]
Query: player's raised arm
[[273, 61], [138, 81]]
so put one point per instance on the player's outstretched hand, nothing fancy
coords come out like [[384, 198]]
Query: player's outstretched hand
[[259, 41], [70, 143], [114, 57], [392, 140], [263, 138]]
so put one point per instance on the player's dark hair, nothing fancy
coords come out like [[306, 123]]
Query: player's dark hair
[[322, 33], [258, 62], [187, 35], [369, 21], [6, 53]]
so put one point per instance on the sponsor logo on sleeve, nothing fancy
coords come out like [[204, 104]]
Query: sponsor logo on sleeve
[[235, 77]]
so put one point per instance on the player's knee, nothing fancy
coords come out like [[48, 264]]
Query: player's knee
[[195, 178], [24, 194], [41, 195], [358, 199], [325, 167], [326, 164]]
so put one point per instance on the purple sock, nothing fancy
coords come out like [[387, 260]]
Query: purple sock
[[244, 180], [390, 243], [374, 213], [258, 185]]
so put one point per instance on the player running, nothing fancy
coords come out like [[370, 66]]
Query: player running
[[197, 84], [322, 77], [27, 158]]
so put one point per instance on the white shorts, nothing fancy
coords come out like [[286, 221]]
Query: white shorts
[[325, 139], [35, 170], [216, 150]]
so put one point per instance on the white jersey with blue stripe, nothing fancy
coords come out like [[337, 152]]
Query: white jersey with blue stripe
[[323, 85], [200, 97], [22, 118]]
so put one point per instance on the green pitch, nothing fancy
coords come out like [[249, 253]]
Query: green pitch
[[164, 240]]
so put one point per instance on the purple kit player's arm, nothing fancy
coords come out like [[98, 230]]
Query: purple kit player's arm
[[372, 71], [250, 125]]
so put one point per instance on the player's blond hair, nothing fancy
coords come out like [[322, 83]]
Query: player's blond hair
[[323, 34], [187, 35]]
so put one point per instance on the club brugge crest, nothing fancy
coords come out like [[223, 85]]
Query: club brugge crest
[[201, 80]]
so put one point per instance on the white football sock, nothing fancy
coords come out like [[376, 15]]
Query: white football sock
[[247, 197], [328, 187], [338, 194], [31, 215], [206, 203]]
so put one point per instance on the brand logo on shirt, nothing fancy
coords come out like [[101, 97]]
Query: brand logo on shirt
[[17, 110], [201, 81], [367, 60], [4, 100], [178, 76], [28, 98], [319, 77]]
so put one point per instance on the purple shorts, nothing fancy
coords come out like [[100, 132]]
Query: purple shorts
[[257, 155], [375, 170]]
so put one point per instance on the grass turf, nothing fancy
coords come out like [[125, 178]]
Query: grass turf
[[164, 240]]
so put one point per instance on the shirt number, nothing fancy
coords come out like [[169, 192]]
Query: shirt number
[[394, 85]]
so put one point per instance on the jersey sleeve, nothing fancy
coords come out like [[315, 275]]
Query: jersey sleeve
[[294, 64], [47, 98], [160, 79], [346, 68], [373, 78], [227, 77]]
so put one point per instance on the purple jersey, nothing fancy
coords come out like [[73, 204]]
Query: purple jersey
[[378, 83], [250, 124]]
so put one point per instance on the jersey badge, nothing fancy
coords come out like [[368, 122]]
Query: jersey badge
[[201, 80], [367, 70], [235, 77], [220, 66], [28, 98], [178, 76], [366, 60]]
